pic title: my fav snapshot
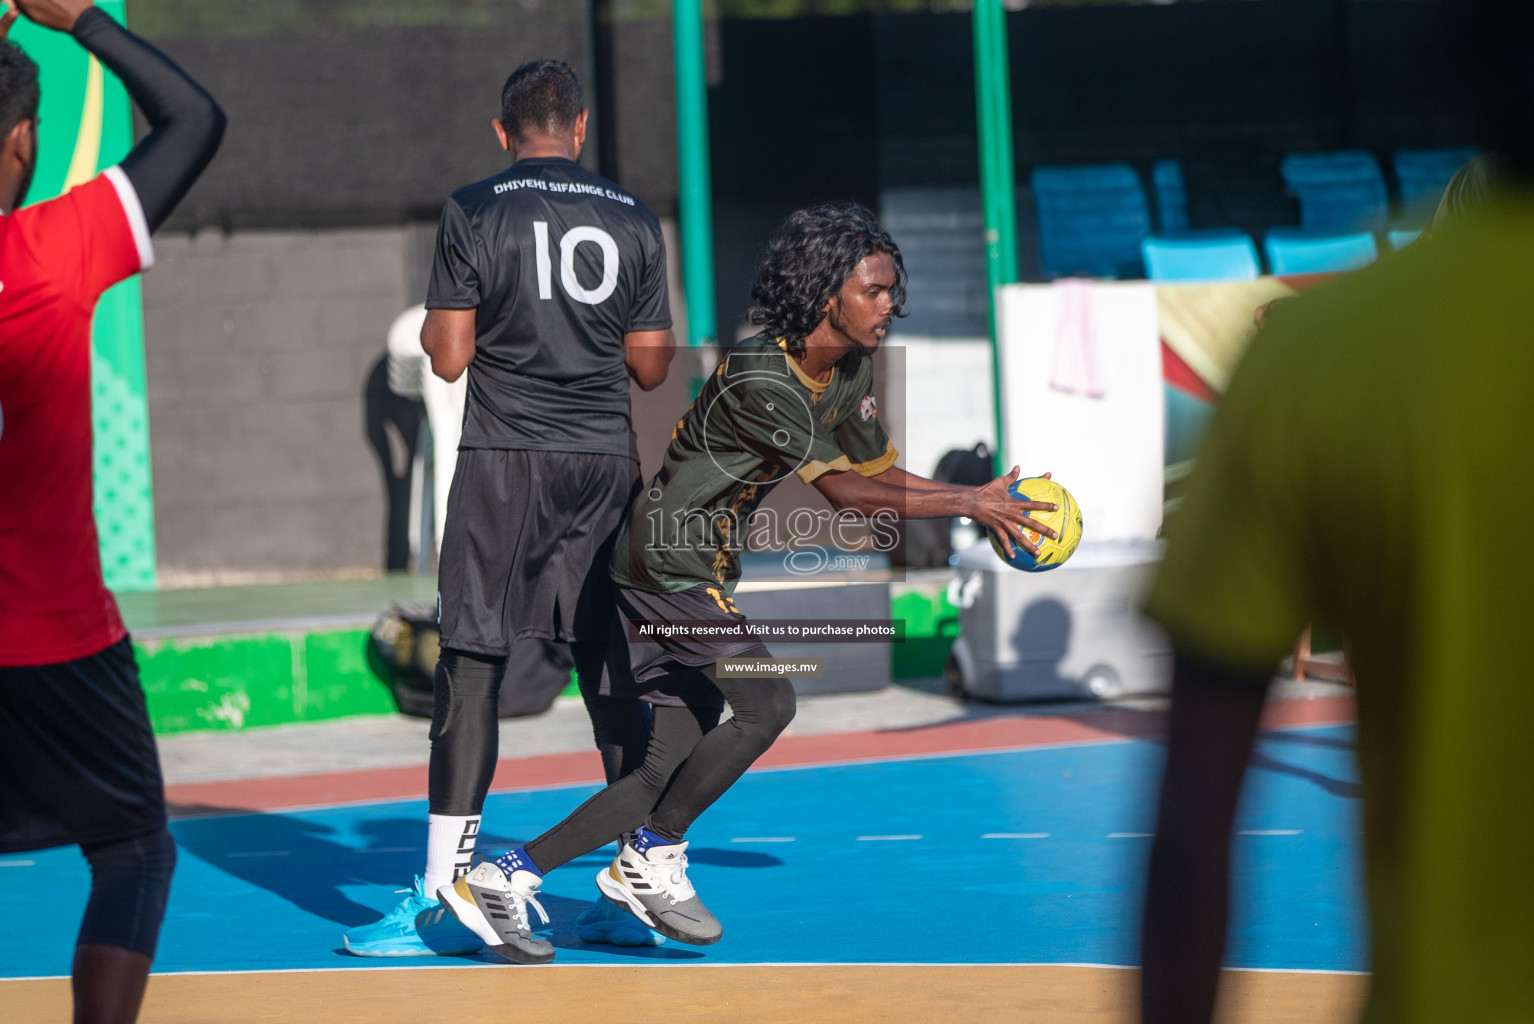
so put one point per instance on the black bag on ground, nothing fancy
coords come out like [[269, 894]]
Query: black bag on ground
[[536, 672], [925, 543], [403, 651]]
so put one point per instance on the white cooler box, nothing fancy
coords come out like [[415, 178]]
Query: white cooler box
[[1075, 631]]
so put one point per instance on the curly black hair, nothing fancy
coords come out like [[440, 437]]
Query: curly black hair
[[813, 254]]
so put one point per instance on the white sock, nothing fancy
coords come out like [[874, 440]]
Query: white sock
[[449, 848]]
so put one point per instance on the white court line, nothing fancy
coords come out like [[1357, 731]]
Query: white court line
[[1270, 832], [1130, 835], [473, 965], [17, 863], [259, 853], [763, 839], [389, 849], [884, 839], [1015, 835], [480, 966]]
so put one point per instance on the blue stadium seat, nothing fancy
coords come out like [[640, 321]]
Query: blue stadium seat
[[1400, 238], [1423, 173], [1201, 256], [1301, 252], [1338, 192], [1171, 196], [1091, 220]]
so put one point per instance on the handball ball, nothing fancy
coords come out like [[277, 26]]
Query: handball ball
[[1066, 521]]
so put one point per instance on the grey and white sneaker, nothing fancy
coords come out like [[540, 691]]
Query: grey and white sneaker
[[494, 907], [653, 886]]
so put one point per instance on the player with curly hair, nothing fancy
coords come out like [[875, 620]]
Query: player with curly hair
[[796, 400], [805, 266]]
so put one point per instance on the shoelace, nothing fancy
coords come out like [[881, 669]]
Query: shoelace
[[406, 909], [679, 888], [519, 904], [400, 907]]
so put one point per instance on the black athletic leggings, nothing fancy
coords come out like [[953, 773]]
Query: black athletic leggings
[[130, 883], [465, 726], [690, 764]]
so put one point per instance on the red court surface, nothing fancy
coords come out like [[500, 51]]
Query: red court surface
[[989, 734]]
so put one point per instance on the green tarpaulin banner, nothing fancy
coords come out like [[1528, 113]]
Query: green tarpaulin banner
[[87, 126]]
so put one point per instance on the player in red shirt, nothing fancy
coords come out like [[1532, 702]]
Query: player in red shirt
[[76, 750]]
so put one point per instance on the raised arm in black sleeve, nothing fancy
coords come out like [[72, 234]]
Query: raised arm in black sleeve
[[186, 125]]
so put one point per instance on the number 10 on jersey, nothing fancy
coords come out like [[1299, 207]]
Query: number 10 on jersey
[[567, 249]]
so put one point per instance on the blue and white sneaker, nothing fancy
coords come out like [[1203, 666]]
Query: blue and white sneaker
[[612, 926], [418, 926]]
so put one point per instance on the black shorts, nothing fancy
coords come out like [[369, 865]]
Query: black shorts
[[526, 546], [78, 763], [672, 671]]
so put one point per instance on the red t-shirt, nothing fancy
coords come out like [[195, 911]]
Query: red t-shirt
[[56, 258]]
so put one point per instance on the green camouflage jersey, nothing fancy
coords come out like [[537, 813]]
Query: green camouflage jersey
[[756, 421]]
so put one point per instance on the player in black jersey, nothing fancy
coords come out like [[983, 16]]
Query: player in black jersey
[[549, 288], [797, 400]]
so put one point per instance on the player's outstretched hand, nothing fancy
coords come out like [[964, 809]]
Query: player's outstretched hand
[[55, 14], [997, 509]]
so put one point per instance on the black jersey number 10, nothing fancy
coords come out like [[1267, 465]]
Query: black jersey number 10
[[567, 246]]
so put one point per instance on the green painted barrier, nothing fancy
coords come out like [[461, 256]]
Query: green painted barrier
[[241, 681], [238, 682]]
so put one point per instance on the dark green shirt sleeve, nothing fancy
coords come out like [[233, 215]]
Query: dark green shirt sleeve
[[860, 435], [780, 426]]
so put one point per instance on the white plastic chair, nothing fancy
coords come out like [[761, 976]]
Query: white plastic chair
[[436, 452]]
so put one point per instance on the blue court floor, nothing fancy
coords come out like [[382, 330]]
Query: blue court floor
[[1032, 856]]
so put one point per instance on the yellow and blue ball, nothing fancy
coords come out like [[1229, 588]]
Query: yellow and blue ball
[[1065, 520]]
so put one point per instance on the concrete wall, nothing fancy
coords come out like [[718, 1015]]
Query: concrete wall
[[365, 127], [273, 434], [259, 347]]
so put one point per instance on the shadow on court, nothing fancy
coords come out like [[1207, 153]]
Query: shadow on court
[[732, 858], [1150, 725], [1128, 722], [1263, 758], [305, 862], [310, 864], [1305, 739], [1336, 787]]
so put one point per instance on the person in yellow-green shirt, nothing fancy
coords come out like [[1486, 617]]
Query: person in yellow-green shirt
[[1372, 467]]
